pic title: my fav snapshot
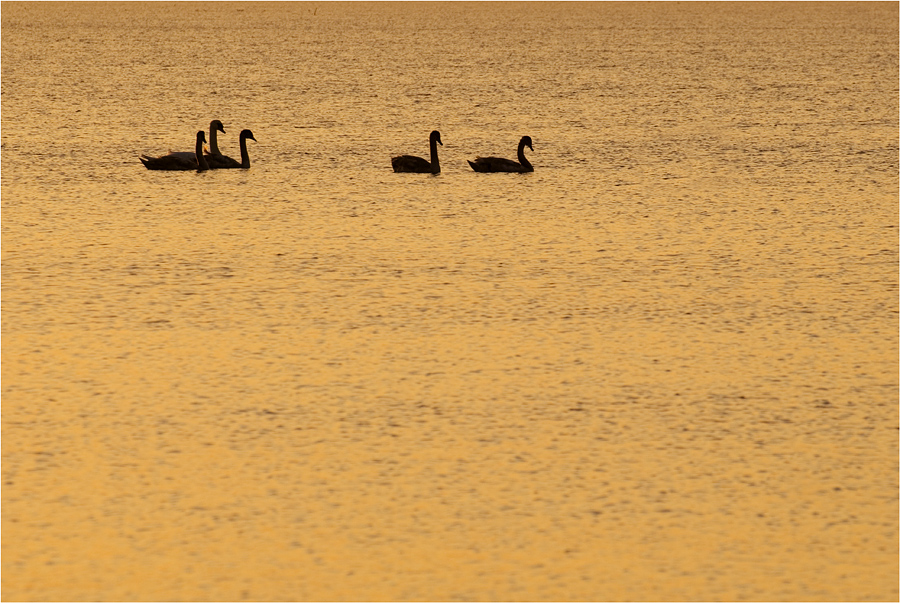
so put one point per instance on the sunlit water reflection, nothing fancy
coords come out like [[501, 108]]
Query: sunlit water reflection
[[662, 366]]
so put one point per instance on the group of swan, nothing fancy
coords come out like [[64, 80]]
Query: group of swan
[[408, 163], [198, 160], [214, 160]]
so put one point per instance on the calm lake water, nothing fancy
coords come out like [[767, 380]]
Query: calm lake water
[[663, 366]]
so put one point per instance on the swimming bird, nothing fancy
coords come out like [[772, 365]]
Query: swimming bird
[[498, 164], [176, 163], [214, 126], [221, 162], [409, 163]]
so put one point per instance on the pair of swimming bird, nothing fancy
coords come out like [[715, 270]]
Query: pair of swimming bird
[[409, 163], [198, 160]]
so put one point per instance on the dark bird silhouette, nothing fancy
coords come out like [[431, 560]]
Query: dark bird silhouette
[[214, 126], [498, 164], [173, 162], [409, 163], [221, 162]]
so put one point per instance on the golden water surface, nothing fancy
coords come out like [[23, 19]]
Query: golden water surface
[[663, 366]]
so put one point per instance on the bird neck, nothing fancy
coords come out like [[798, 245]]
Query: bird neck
[[525, 163], [435, 164], [213, 143], [245, 156], [201, 160]]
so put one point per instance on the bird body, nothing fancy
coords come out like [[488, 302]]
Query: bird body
[[214, 126], [221, 162], [498, 164], [174, 163], [417, 165]]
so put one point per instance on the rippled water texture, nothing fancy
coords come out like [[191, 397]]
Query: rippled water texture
[[662, 366]]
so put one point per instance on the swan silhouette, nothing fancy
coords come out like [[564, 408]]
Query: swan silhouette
[[409, 163], [221, 162], [214, 126], [174, 162], [498, 164]]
